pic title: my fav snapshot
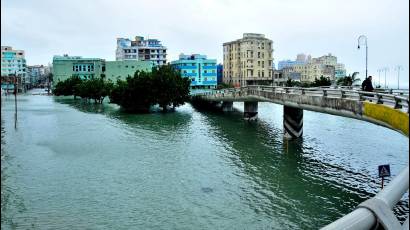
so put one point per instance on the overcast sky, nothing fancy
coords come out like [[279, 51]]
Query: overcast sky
[[89, 28]]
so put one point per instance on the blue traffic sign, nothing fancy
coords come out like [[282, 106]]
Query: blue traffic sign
[[384, 170]]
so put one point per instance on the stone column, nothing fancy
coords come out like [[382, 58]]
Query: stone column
[[250, 110], [292, 122], [227, 106]]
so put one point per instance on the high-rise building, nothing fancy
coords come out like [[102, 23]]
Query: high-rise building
[[141, 49], [201, 71], [248, 60], [13, 62]]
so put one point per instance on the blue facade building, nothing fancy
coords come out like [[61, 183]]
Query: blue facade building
[[201, 71], [219, 73]]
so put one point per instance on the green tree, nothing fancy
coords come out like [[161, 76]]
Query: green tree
[[322, 81], [67, 87], [163, 86]]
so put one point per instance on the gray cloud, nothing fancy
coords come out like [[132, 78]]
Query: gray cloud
[[89, 28]]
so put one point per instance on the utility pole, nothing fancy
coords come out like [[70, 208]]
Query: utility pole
[[15, 99], [398, 68]]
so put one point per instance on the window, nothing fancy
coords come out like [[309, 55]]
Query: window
[[205, 71], [126, 66]]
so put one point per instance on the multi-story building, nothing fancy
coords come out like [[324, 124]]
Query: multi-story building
[[309, 68], [248, 60], [340, 70], [201, 71], [141, 49], [13, 62], [219, 73], [36, 73], [87, 68]]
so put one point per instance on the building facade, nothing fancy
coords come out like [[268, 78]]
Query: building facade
[[141, 49], [219, 73], [87, 68], [36, 73], [340, 70], [248, 60], [307, 69], [13, 62], [115, 70], [201, 71]]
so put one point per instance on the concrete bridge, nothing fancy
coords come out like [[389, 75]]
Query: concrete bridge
[[389, 110]]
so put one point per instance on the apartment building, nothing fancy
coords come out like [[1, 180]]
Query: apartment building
[[248, 60], [141, 49], [13, 62], [201, 71]]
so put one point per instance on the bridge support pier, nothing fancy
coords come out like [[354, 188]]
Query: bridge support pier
[[227, 106], [250, 110], [292, 122]]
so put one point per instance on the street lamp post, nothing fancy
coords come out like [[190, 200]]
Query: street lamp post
[[386, 69], [379, 70], [362, 37], [398, 68]]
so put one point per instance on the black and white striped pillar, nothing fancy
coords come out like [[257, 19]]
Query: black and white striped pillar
[[292, 122], [227, 106], [250, 110]]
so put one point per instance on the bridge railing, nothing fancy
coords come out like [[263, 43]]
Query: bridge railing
[[377, 209], [395, 101]]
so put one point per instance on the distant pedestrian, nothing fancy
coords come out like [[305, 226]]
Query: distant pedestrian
[[367, 84]]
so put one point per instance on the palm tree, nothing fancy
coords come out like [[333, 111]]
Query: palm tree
[[348, 80], [354, 79]]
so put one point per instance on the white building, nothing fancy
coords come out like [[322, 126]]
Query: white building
[[141, 49]]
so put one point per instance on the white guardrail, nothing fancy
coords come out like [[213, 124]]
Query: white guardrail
[[397, 101], [377, 210]]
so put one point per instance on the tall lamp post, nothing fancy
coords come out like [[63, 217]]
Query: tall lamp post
[[398, 68], [379, 70], [385, 69], [359, 39]]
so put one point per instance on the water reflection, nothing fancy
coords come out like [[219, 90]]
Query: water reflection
[[11, 202], [158, 122], [289, 172]]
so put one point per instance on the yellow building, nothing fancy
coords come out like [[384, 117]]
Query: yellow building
[[248, 60]]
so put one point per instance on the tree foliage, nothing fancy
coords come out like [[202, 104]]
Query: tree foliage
[[322, 81], [163, 86], [66, 87], [95, 88]]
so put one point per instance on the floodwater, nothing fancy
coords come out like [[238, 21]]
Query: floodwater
[[73, 165]]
